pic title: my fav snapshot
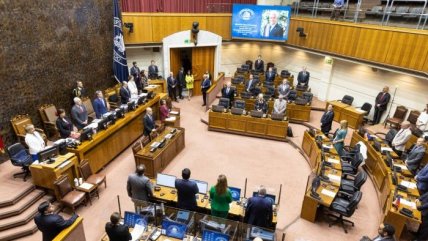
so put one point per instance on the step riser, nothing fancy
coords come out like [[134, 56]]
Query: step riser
[[18, 198], [17, 212]]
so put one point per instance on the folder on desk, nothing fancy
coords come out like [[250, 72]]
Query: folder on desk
[[333, 177], [172, 118], [383, 149], [403, 167], [328, 193], [408, 203], [86, 185], [173, 112], [408, 184]]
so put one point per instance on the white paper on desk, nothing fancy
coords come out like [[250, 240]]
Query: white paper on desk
[[333, 177], [86, 186], [155, 144], [174, 112], [403, 167], [168, 136], [64, 164], [408, 203], [408, 184], [152, 86], [328, 192], [138, 231], [93, 125], [382, 149], [327, 146], [331, 160], [142, 94], [172, 118]]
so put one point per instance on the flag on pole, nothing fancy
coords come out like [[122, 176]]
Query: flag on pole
[[120, 66]]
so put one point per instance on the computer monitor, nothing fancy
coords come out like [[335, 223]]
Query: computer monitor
[[209, 235], [202, 186], [112, 118], [268, 196], [141, 99], [173, 229], [120, 113], [264, 234], [376, 144], [48, 153], [131, 219], [131, 106], [86, 134], [183, 216], [236, 193], [102, 125], [165, 180]]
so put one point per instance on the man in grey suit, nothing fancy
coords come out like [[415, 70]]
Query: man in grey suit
[[400, 140], [284, 89], [415, 156], [138, 186], [79, 113], [279, 105]]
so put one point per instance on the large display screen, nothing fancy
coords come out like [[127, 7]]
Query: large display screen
[[260, 22]]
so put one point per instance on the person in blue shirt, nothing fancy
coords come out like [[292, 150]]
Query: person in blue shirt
[[100, 105], [259, 210], [186, 191], [339, 139], [205, 85], [337, 5]]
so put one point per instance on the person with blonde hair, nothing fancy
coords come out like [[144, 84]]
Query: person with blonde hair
[[189, 83], [34, 141], [339, 139], [221, 197]]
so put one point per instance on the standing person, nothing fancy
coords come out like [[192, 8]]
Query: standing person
[[138, 186], [163, 111], [186, 191], [100, 105], [327, 120], [284, 89], [189, 83], [148, 122], [381, 103], [116, 231], [422, 180], [280, 105], [337, 6], [132, 87], [34, 141], [259, 210], [153, 70], [135, 72], [49, 223], [422, 205], [65, 126], [79, 113], [270, 75], [228, 92], [144, 79], [250, 85], [181, 81], [339, 140], [303, 77], [124, 93], [400, 139], [205, 85], [221, 198], [172, 86], [421, 122], [415, 156], [79, 91], [259, 65]]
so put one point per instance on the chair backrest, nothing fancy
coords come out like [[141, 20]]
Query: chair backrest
[[308, 96], [390, 135], [257, 91], [270, 90], [19, 122], [249, 63], [85, 169], [353, 203], [285, 73], [153, 135], [413, 116], [144, 141], [63, 185], [367, 108], [240, 104], [347, 99], [268, 65], [292, 95], [49, 113], [224, 102], [360, 179], [136, 147], [356, 162], [400, 112], [88, 104], [245, 67], [236, 81], [14, 149]]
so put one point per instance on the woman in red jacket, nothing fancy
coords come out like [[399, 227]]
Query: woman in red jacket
[[164, 112]]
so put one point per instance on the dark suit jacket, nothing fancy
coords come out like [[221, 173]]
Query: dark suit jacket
[[64, 128], [385, 238], [253, 85], [186, 191], [79, 116], [302, 78], [277, 31], [52, 224], [414, 157], [260, 106], [382, 101], [149, 124], [118, 232], [125, 94], [270, 76], [259, 65], [424, 204], [171, 82], [99, 107], [259, 211], [230, 95], [181, 79], [326, 121], [153, 71], [139, 187], [422, 180]]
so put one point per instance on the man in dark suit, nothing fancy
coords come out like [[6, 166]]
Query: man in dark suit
[[273, 29], [327, 120], [181, 81], [386, 233], [124, 92], [116, 231], [100, 105], [259, 210], [270, 75], [422, 180], [205, 85], [79, 113], [135, 72], [172, 86], [422, 205], [303, 77], [186, 191], [153, 70], [138, 186], [49, 223], [228, 92], [259, 65], [382, 100], [415, 156], [251, 85], [149, 122]]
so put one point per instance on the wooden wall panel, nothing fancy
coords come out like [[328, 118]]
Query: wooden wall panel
[[220, 25], [343, 40], [412, 52], [373, 45], [186, 22], [142, 29], [163, 26]]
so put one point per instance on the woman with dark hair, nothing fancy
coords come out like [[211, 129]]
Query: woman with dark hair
[[117, 231], [221, 197], [144, 80], [65, 126]]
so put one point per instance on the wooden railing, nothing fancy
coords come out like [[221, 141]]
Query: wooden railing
[[214, 89]]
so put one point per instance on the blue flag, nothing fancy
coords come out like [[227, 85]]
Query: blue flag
[[120, 66]]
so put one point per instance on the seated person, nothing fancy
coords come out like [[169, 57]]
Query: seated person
[[415, 156], [421, 122], [100, 105], [386, 233], [228, 92], [79, 113], [279, 105], [250, 85], [117, 231], [401, 138], [270, 75], [260, 104], [259, 210], [163, 111], [284, 89], [124, 92], [303, 77], [34, 141], [65, 127]]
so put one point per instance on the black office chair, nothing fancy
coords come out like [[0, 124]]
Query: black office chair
[[351, 185], [347, 99], [270, 91], [351, 164], [367, 108], [249, 63], [20, 157], [305, 99], [245, 67], [293, 95], [344, 205], [389, 136], [285, 74], [236, 81], [256, 91], [224, 102], [239, 104], [302, 87]]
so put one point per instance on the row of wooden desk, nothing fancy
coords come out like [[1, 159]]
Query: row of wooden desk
[[247, 125], [342, 111]]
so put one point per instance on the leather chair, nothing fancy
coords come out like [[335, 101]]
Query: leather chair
[[112, 97], [89, 108], [249, 63], [49, 115], [270, 91], [367, 107], [293, 95], [398, 117], [302, 88], [89, 177], [351, 185], [236, 81], [347, 99], [268, 65], [136, 147], [245, 67], [68, 196], [224, 102], [412, 118], [19, 123], [344, 205], [239, 104], [20, 157], [351, 163], [285, 74]]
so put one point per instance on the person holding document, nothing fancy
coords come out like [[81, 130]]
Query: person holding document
[[117, 231]]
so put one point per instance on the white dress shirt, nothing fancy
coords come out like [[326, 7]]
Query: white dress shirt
[[422, 121], [400, 140], [35, 142], [133, 89]]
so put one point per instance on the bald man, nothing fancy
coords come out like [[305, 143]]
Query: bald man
[[228, 92], [149, 122], [259, 210], [414, 158], [381, 103], [400, 140]]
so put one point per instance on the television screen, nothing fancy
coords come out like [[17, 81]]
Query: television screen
[[208, 235], [236, 193], [131, 219], [165, 180], [173, 229], [260, 22], [202, 186]]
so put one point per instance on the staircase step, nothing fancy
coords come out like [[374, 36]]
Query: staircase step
[[10, 198], [22, 205], [18, 232], [24, 217]]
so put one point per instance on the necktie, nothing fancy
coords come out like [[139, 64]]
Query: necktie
[[227, 91]]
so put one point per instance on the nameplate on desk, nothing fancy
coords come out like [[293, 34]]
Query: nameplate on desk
[[63, 164], [168, 136], [328, 193], [382, 149], [408, 184], [155, 144], [173, 112], [333, 177], [408, 203], [403, 167], [172, 118], [331, 160], [327, 146]]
